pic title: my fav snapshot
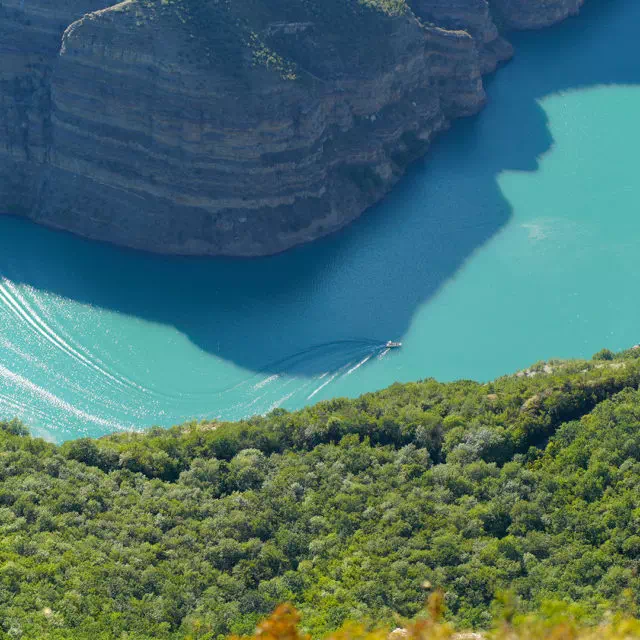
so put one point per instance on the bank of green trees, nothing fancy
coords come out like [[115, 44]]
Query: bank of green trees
[[529, 483]]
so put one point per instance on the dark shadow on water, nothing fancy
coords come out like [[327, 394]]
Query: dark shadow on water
[[364, 284]]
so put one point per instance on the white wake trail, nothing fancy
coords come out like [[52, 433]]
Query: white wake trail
[[358, 365], [23, 310], [20, 408], [266, 381], [101, 366], [54, 400], [279, 402], [324, 384]]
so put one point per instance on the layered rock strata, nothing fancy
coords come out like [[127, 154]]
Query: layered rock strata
[[195, 127]]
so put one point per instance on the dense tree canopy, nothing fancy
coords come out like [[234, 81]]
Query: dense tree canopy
[[345, 509]]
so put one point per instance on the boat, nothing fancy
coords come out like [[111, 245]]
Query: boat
[[393, 345]]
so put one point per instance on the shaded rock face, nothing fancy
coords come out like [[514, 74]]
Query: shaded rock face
[[208, 128], [525, 14], [30, 37], [473, 17]]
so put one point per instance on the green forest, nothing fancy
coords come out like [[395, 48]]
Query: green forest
[[528, 484]]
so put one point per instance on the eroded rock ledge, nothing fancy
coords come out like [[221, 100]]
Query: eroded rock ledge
[[218, 127]]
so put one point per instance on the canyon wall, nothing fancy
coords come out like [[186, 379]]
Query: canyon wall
[[221, 128]]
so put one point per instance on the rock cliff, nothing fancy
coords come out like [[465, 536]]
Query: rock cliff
[[218, 127]]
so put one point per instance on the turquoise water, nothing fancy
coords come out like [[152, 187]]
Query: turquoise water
[[516, 240]]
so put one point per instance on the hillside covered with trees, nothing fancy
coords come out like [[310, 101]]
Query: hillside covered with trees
[[529, 483]]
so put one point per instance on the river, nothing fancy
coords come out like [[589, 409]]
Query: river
[[516, 239]]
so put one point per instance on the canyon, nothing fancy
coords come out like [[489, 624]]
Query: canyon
[[221, 128]]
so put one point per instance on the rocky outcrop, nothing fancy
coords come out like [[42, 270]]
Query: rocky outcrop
[[525, 14], [194, 127], [473, 17]]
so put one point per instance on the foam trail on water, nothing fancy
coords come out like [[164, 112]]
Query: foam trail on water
[[277, 403], [14, 405], [286, 371], [54, 400], [52, 374], [266, 381], [9, 346], [324, 384], [21, 314], [21, 408], [21, 308], [23, 311], [341, 357], [358, 365], [98, 363]]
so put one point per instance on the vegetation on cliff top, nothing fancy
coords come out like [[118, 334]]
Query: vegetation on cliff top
[[309, 39], [345, 509]]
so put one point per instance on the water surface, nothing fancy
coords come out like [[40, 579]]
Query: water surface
[[515, 240]]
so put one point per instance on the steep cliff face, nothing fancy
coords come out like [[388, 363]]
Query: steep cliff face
[[472, 16], [30, 36], [525, 14], [196, 127]]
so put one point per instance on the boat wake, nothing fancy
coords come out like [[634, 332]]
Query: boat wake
[[34, 391], [58, 373], [18, 305], [291, 381]]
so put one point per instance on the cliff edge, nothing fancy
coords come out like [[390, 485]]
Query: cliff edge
[[223, 128]]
